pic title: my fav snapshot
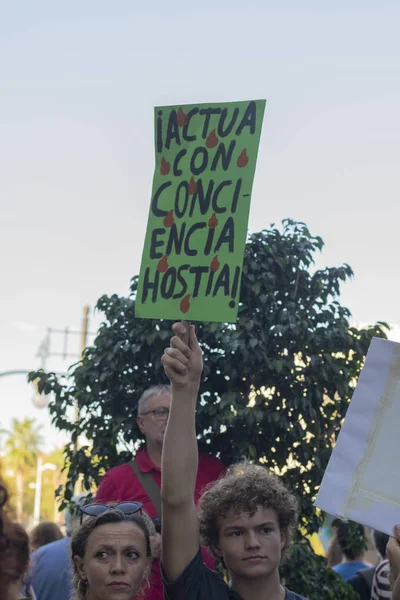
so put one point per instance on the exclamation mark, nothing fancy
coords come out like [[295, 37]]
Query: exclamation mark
[[159, 132], [209, 283], [235, 285]]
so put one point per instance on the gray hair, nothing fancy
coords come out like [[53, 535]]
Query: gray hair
[[154, 390]]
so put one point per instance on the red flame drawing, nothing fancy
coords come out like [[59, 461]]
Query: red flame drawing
[[163, 264], [212, 221], [169, 219], [165, 167], [243, 159], [181, 117], [185, 304], [192, 186], [215, 264], [212, 140]]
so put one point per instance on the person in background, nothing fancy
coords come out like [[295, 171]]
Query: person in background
[[362, 581], [51, 571], [381, 587], [19, 546], [44, 533], [121, 483], [14, 554], [334, 552], [353, 558], [111, 553], [393, 553]]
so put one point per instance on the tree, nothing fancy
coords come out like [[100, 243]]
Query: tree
[[22, 447], [284, 374], [51, 481]]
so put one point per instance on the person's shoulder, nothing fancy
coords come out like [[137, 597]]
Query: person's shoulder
[[116, 474], [196, 582], [383, 566], [362, 579], [118, 471], [113, 482], [343, 567], [208, 461], [381, 576], [51, 548], [293, 596]]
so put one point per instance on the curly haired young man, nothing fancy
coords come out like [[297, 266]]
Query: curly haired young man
[[246, 517]]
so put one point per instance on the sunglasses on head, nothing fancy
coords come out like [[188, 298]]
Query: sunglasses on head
[[94, 510]]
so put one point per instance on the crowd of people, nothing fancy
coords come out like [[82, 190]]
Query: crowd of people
[[174, 523], [347, 556]]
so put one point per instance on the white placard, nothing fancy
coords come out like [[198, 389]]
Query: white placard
[[362, 480]]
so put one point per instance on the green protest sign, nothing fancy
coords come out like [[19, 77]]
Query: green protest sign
[[196, 233]]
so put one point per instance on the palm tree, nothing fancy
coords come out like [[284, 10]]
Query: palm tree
[[22, 447]]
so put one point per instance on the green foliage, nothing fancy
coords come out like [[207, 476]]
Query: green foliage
[[353, 534], [276, 384], [21, 448]]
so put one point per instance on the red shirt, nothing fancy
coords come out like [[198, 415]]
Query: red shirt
[[120, 484]]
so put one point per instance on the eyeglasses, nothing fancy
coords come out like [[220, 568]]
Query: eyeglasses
[[4, 541], [160, 414], [94, 510]]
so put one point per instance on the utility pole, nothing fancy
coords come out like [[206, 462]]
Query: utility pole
[[85, 327], [84, 334], [45, 351], [40, 467]]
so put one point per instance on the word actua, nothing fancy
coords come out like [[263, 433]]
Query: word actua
[[178, 127]]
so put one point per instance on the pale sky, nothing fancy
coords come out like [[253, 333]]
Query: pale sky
[[78, 83]]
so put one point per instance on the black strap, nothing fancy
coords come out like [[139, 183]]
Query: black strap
[[367, 575], [149, 485]]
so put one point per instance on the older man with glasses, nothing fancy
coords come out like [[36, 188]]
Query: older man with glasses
[[140, 480]]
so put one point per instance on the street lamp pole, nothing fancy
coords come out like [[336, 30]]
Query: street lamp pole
[[40, 467], [14, 372], [84, 335]]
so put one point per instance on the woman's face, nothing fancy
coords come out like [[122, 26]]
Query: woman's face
[[115, 561]]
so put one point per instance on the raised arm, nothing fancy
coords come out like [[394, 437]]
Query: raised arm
[[183, 365]]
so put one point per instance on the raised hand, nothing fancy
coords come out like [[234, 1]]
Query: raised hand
[[183, 363]]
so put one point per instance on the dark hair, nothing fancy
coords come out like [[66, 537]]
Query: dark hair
[[381, 541], [351, 538], [14, 554], [81, 536], [243, 489], [334, 552], [45, 533], [14, 560]]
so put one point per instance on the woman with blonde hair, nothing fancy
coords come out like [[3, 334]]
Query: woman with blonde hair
[[111, 552]]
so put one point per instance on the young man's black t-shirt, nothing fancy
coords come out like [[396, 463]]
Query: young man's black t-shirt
[[198, 582]]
